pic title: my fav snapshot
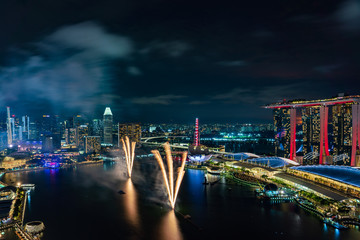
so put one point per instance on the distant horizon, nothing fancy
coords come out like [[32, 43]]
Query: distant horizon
[[156, 61]]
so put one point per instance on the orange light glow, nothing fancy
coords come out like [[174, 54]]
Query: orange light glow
[[169, 180], [129, 150]]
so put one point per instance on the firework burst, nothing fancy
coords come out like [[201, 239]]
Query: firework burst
[[129, 150], [172, 185]]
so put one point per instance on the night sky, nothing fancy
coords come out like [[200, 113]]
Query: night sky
[[171, 61]]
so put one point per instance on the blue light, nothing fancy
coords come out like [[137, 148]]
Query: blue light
[[344, 174], [337, 233]]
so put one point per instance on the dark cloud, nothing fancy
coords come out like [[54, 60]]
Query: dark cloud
[[132, 70], [175, 59], [161, 100], [262, 95], [72, 70], [199, 102], [325, 69], [235, 63], [172, 48], [349, 15]]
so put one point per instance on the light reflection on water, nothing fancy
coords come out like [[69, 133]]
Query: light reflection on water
[[131, 205], [134, 215], [169, 228]]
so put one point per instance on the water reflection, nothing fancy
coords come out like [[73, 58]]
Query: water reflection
[[211, 178], [130, 204], [169, 228]]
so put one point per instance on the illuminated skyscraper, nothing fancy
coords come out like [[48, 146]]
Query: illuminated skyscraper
[[282, 132], [78, 120], [331, 129], [71, 136], [9, 129], [82, 132], [26, 127], [311, 129], [48, 144], [96, 127], [92, 144], [108, 123], [341, 122], [132, 130]]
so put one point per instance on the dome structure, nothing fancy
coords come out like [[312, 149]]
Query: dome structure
[[271, 187], [34, 227]]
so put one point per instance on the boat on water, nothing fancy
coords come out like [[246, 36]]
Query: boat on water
[[304, 203], [205, 181], [28, 186], [214, 170], [334, 224]]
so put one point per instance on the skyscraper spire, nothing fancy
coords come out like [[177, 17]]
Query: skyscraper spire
[[108, 111]]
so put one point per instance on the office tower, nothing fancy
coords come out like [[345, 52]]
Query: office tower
[[132, 130], [108, 124], [48, 124], [47, 144], [12, 123], [96, 127], [92, 144], [78, 120], [20, 136], [25, 120], [71, 136], [9, 129], [82, 132], [33, 131]]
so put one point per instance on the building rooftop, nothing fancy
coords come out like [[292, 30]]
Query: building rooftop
[[108, 111], [273, 162], [311, 103], [343, 174], [327, 192], [241, 156]]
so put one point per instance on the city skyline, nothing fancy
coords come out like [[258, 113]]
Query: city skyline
[[220, 61], [157, 119]]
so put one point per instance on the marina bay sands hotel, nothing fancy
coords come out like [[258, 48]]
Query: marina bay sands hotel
[[325, 131]]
